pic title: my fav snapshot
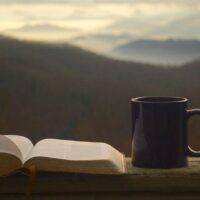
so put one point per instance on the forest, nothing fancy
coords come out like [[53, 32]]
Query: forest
[[61, 91]]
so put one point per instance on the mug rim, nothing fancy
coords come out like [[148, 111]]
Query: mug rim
[[159, 99]]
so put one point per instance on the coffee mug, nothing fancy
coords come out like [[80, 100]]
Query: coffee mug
[[160, 132]]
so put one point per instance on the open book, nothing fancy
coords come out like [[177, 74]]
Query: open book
[[56, 155]]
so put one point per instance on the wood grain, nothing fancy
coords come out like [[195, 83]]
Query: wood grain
[[182, 182]]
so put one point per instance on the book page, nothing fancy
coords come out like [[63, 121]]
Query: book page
[[67, 149], [13, 150], [9, 147], [23, 144], [74, 156]]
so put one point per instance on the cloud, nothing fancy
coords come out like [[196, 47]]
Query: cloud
[[44, 1], [178, 2], [140, 18], [41, 28], [185, 27], [136, 27]]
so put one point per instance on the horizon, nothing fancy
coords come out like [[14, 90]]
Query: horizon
[[100, 26], [67, 19]]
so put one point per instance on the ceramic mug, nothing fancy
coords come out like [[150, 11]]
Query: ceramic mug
[[160, 132]]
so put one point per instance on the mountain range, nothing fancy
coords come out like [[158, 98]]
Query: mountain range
[[61, 91], [48, 28], [161, 52]]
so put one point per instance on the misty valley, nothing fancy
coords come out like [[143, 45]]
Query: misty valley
[[61, 91]]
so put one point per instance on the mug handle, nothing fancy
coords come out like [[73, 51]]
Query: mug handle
[[190, 151]]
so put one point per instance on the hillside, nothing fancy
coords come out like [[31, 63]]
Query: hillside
[[165, 52], [65, 92]]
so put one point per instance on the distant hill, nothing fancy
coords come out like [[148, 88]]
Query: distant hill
[[40, 28], [164, 52], [66, 92], [101, 43]]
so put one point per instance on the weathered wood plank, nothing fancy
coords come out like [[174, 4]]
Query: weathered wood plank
[[180, 180], [106, 196], [193, 169]]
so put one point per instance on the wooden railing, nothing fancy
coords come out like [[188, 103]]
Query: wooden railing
[[138, 183]]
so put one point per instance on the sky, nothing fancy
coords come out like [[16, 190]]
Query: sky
[[113, 20]]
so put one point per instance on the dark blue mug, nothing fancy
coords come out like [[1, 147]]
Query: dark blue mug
[[160, 132]]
